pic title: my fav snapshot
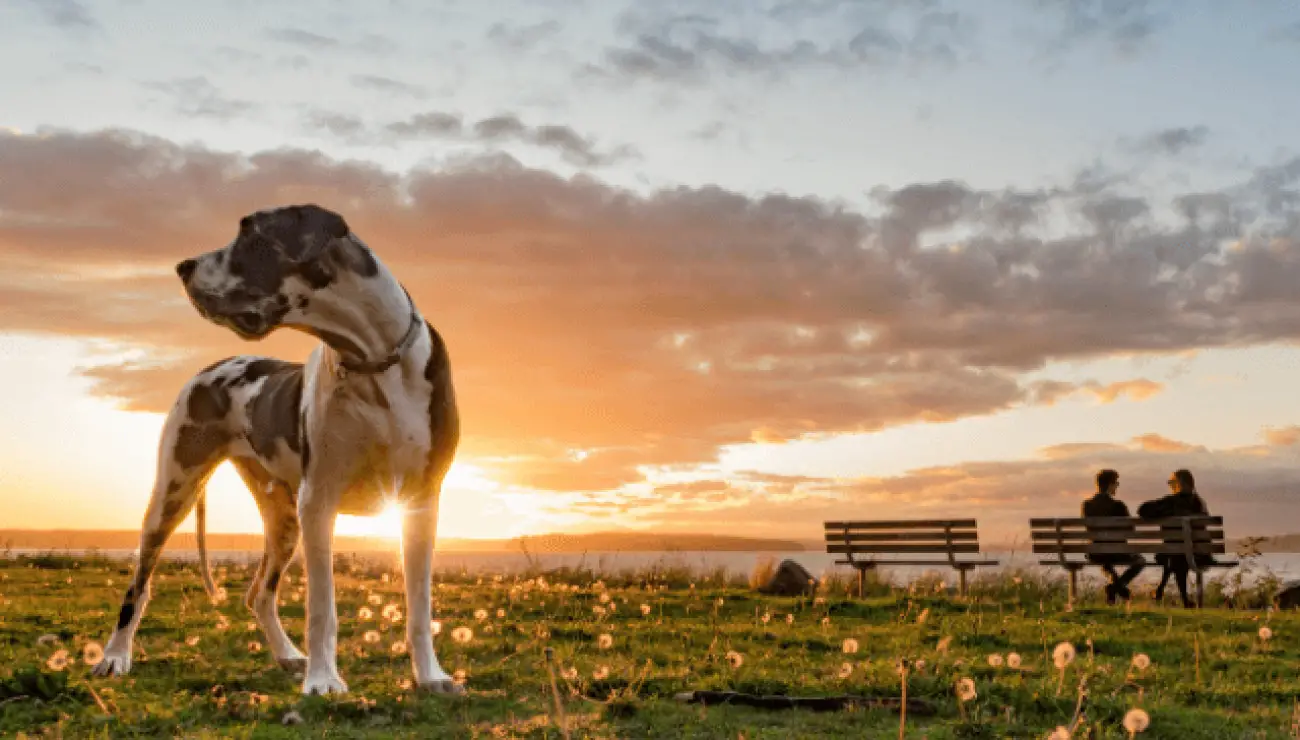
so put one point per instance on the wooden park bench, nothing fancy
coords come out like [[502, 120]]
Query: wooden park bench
[[941, 537], [1070, 541]]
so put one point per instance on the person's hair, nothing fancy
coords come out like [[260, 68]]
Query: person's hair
[[1105, 478], [1184, 477]]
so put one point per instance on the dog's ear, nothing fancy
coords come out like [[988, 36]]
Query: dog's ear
[[302, 233]]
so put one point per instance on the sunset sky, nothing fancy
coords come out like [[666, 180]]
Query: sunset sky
[[734, 266]]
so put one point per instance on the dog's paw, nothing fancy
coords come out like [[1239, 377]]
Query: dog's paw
[[442, 687], [323, 683], [112, 665]]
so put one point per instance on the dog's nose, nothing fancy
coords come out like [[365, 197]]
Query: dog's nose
[[186, 269]]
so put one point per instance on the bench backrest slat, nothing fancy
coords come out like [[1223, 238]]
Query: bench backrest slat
[[1102, 522], [900, 548], [914, 524], [1188, 536], [1121, 548]]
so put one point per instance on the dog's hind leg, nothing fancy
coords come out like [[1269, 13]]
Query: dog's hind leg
[[194, 441], [275, 501]]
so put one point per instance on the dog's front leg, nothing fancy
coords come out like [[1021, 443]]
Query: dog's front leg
[[317, 507], [419, 525]]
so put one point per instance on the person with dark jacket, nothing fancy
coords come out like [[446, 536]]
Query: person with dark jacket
[[1184, 501], [1105, 504]]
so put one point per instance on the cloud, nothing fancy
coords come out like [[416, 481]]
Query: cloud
[[522, 38], [1171, 141], [599, 334], [388, 85], [660, 45], [1284, 437], [70, 15], [307, 39], [1253, 489], [196, 97], [573, 147], [1127, 27]]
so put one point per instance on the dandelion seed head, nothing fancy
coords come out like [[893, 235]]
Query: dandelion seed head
[[1141, 661], [501, 613], [1013, 660], [462, 634], [1060, 733], [735, 659], [436, 627], [605, 641], [192, 640], [570, 673], [645, 610], [365, 614], [849, 646], [1265, 634], [254, 646], [601, 673], [1136, 720], [480, 614], [846, 670], [370, 637], [966, 690], [1063, 655], [398, 648], [995, 660]]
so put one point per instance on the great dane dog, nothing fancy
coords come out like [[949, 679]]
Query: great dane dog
[[370, 418]]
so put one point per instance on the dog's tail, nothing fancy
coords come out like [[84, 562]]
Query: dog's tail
[[200, 533]]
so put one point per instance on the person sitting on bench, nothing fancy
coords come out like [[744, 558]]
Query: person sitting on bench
[[1184, 501], [1105, 504]]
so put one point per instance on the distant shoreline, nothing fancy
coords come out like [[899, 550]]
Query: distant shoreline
[[86, 539]]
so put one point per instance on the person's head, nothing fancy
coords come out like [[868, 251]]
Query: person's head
[[1107, 481], [1182, 481]]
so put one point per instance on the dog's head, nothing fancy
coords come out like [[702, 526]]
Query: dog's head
[[271, 268]]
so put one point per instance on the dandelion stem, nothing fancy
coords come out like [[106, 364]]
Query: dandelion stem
[[555, 691], [902, 707]]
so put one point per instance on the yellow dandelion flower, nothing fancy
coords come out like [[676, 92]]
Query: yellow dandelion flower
[[58, 661], [92, 653], [254, 646], [480, 614], [604, 597], [501, 613], [645, 610]]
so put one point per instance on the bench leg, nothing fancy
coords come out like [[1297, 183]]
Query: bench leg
[[862, 582], [1074, 584], [1200, 588], [961, 580]]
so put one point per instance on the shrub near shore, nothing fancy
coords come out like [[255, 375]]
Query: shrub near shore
[[624, 644]]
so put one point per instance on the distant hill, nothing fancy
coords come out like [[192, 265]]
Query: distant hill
[[84, 539]]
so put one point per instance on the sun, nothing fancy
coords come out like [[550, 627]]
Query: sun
[[461, 478]]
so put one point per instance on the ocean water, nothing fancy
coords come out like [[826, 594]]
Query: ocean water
[[1285, 565]]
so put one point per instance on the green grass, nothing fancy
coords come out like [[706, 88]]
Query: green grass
[[1211, 676]]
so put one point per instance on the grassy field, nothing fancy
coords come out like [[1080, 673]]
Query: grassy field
[[200, 671]]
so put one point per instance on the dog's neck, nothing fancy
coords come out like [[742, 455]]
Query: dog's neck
[[370, 322]]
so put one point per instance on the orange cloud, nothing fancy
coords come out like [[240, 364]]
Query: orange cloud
[[1157, 443], [1282, 437], [651, 329]]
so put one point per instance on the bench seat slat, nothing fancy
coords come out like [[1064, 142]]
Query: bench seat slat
[[1206, 535], [1084, 563], [1120, 548], [956, 547], [936, 563], [899, 537]]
